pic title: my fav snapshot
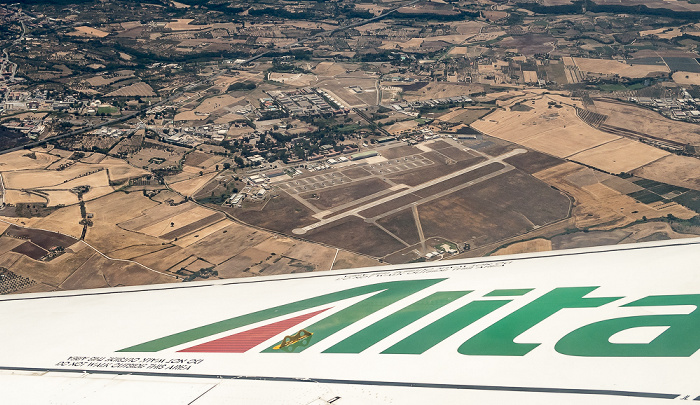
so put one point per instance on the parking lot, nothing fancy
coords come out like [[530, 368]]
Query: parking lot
[[398, 165], [320, 181]]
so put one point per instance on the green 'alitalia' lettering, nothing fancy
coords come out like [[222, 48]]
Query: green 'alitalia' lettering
[[341, 319], [497, 339], [388, 293], [445, 327], [681, 339], [394, 322]]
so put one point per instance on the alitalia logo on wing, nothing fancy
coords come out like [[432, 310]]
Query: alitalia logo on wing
[[679, 336]]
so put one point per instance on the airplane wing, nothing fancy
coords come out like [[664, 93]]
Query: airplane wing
[[612, 325]]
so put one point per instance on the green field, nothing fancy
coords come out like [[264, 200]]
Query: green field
[[107, 110]]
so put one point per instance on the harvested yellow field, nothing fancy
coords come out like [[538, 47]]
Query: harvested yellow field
[[412, 43], [468, 27], [372, 8], [64, 220], [94, 180], [663, 33], [228, 118], [465, 115], [507, 98], [329, 69], [21, 160], [348, 260], [639, 119], [458, 50], [102, 81], [190, 115], [222, 245], [16, 220], [93, 158], [119, 170], [17, 197], [177, 222], [89, 31], [441, 90], [210, 164], [530, 76], [528, 246], [486, 36], [320, 256], [183, 24], [214, 103], [189, 187], [556, 131], [136, 251], [402, 126], [224, 81], [105, 235], [294, 79], [187, 173], [61, 197], [452, 39], [136, 89], [680, 171], [202, 233], [97, 192], [611, 67], [27, 179], [687, 78], [152, 214], [190, 171], [622, 155]]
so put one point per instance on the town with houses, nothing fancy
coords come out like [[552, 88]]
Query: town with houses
[[393, 131]]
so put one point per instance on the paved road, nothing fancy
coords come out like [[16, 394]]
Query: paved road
[[409, 190]]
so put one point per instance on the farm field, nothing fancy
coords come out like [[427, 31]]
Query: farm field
[[36, 178], [559, 132], [607, 66], [52, 184], [639, 232], [133, 90], [435, 90], [678, 170], [531, 169], [464, 115], [89, 31], [599, 206], [188, 187], [17, 197], [622, 155], [687, 78], [535, 245], [154, 158], [554, 131], [25, 160], [643, 120], [145, 241]]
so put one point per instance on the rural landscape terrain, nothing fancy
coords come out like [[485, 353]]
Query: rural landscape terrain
[[197, 139]]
